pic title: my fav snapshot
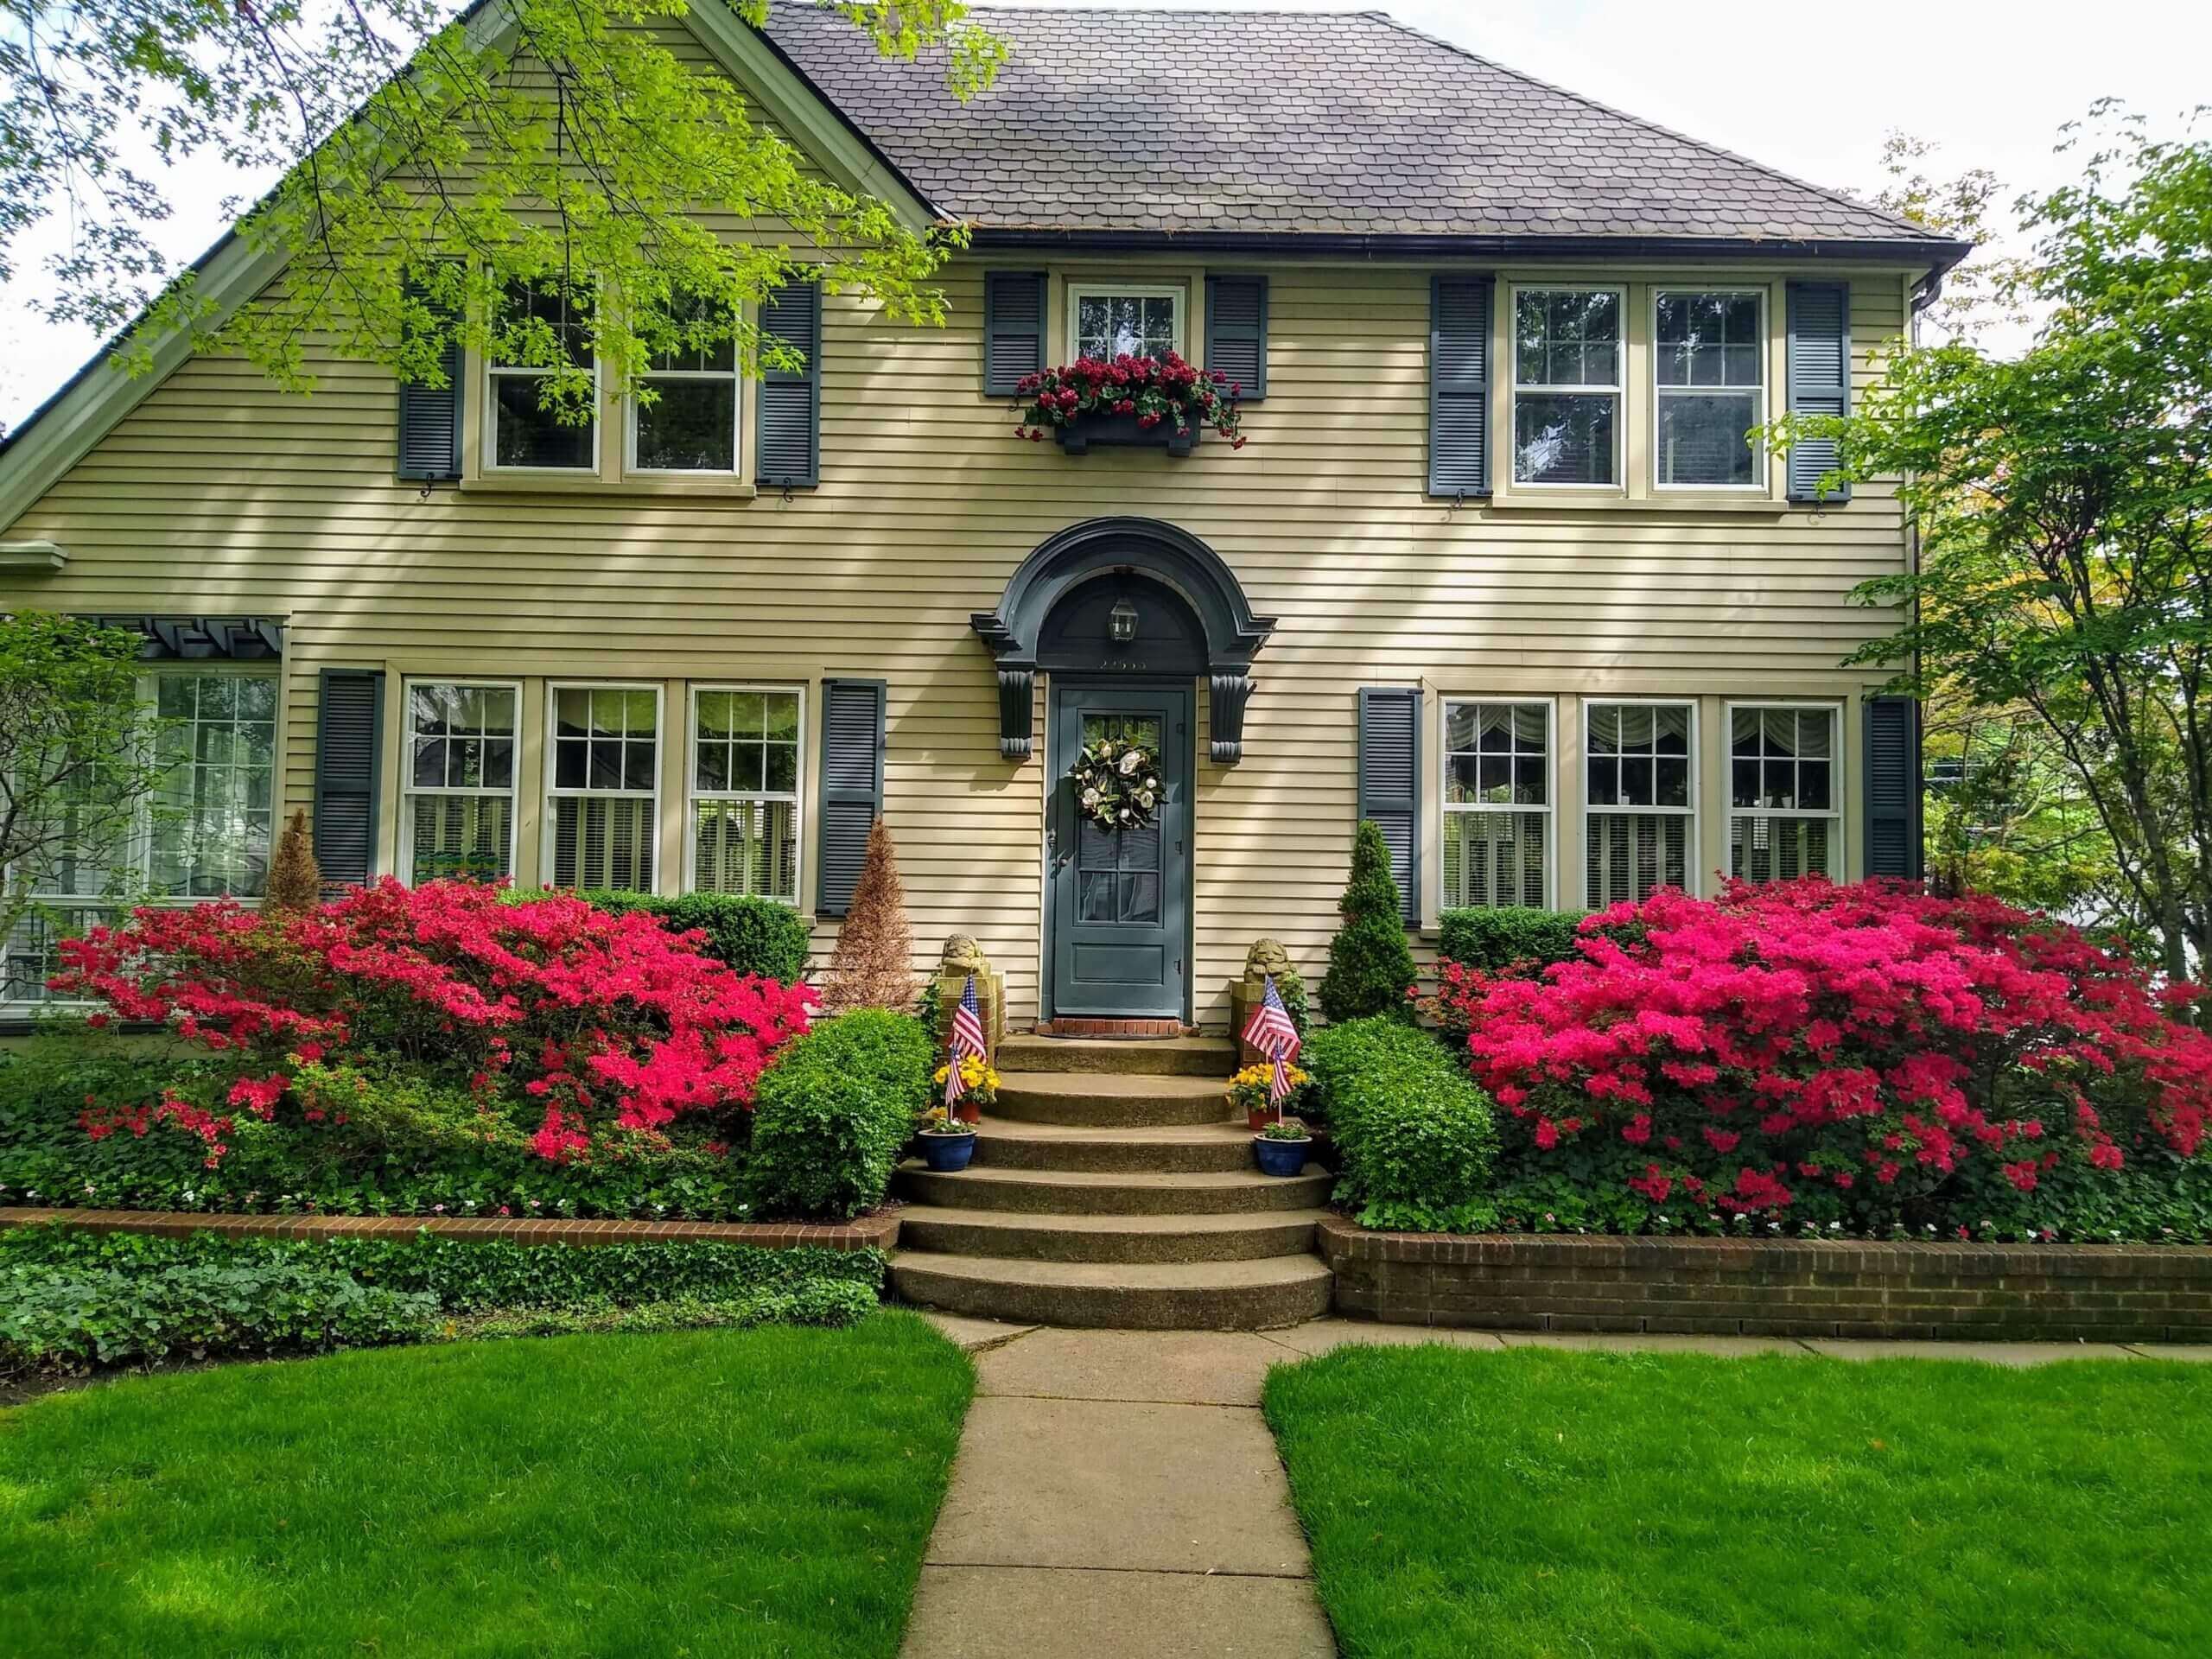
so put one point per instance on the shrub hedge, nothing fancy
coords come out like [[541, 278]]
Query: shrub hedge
[[754, 935], [835, 1112], [1414, 1135], [1494, 940], [71, 1297]]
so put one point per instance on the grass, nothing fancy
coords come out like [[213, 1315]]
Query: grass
[[763, 1493], [1538, 1503]]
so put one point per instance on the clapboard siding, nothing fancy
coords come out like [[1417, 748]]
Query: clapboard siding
[[219, 494]]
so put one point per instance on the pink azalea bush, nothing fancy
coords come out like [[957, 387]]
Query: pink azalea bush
[[595, 1034], [1865, 1056]]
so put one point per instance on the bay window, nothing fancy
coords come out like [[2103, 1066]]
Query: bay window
[[1639, 802], [1785, 815], [745, 790], [1709, 370], [458, 804], [1567, 386], [602, 815], [1498, 813]]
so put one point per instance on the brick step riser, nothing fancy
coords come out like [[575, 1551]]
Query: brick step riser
[[1013, 1241], [1134, 1059], [1106, 1111], [1113, 1198], [1115, 1157], [1243, 1308]]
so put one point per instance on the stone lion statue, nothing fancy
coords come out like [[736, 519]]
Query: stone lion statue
[[1266, 956], [963, 956]]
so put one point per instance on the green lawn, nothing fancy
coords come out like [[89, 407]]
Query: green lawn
[[1538, 1502], [726, 1493]]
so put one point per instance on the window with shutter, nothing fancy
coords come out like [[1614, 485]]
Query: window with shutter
[[348, 766], [852, 785], [1389, 781], [789, 401], [1459, 386], [1013, 329], [746, 788], [1819, 379], [1237, 332]]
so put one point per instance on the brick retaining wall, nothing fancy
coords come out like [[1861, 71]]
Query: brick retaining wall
[[879, 1232], [1789, 1288]]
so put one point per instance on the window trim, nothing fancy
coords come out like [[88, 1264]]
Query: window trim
[[1762, 482], [693, 794], [550, 766], [1838, 773], [1080, 289], [630, 411], [1694, 881], [1447, 806], [1618, 390], [404, 849]]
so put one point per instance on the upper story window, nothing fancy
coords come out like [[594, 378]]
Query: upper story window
[[690, 425], [1639, 806], [1785, 815], [1498, 811], [1709, 368], [522, 434], [1111, 320], [602, 816], [745, 790], [1566, 386], [457, 811]]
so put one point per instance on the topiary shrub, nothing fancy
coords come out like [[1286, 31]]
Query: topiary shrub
[[833, 1113], [873, 966], [1370, 970], [754, 936], [1415, 1137], [1496, 940]]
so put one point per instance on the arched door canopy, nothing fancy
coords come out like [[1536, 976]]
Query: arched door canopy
[[1144, 547]]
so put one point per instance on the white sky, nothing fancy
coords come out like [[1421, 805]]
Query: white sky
[[1812, 89]]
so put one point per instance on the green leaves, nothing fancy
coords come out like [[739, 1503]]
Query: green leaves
[[1370, 968]]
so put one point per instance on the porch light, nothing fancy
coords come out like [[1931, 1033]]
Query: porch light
[[1122, 621]]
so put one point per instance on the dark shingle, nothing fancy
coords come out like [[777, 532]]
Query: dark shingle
[[1291, 122]]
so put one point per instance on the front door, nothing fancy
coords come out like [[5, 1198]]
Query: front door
[[1117, 906]]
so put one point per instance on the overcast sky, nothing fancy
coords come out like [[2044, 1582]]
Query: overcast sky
[[1810, 89]]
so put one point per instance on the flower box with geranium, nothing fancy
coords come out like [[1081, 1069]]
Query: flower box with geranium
[[1157, 400]]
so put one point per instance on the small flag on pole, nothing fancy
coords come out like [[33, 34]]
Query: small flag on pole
[[967, 1042], [1270, 1033]]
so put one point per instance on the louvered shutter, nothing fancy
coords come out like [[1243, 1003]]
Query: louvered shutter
[[348, 761], [1819, 379], [1892, 790], [1459, 386], [787, 451], [429, 422], [1237, 332], [852, 785], [1014, 328], [1389, 781]]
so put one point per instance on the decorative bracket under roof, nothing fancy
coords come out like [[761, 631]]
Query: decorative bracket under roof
[[1141, 550], [205, 639]]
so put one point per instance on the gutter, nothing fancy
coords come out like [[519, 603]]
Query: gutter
[[1400, 245]]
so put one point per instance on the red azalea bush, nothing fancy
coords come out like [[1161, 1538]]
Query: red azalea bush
[[595, 1028], [1807, 1051], [1154, 389]]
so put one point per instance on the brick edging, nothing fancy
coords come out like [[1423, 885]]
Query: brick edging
[[879, 1232], [1782, 1287]]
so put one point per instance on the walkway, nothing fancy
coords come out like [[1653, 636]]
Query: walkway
[[1117, 1496]]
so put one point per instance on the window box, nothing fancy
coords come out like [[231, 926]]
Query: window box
[[1123, 432], [1156, 402]]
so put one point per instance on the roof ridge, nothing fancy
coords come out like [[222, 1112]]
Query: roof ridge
[[1584, 98]]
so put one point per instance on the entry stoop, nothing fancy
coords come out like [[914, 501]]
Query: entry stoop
[[1111, 1187]]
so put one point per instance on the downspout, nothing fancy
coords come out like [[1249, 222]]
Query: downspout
[[1929, 290]]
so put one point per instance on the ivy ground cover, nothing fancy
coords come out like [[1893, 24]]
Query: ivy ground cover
[[743, 1493], [1537, 1503]]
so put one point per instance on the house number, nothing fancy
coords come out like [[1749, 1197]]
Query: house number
[[1126, 664]]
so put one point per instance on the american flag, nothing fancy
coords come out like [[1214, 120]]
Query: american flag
[[967, 1041], [1270, 1032]]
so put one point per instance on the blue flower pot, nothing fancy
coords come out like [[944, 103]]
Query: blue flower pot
[[946, 1152], [1280, 1157]]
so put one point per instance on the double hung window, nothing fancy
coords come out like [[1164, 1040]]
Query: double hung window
[[1567, 386], [1785, 813], [1709, 357], [1498, 811], [1639, 811], [745, 790]]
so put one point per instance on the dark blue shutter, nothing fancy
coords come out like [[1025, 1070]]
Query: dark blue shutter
[[1389, 781], [430, 421], [1237, 332], [348, 765], [1892, 790], [852, 785], [787, 446], [1014, 328], [1819, 379], [1459, 386]]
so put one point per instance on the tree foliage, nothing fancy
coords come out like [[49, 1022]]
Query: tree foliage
[[425, 164], [2064, 500]]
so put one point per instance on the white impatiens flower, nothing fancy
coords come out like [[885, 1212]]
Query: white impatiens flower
[[1131, 762]]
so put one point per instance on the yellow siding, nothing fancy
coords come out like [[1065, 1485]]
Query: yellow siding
[[220, 495]]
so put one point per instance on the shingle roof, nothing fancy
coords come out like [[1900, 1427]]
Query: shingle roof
[[1303, 122]]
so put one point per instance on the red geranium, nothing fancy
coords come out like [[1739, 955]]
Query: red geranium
[[1154, 389]]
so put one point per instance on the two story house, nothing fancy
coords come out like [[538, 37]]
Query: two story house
[[1496, 568]]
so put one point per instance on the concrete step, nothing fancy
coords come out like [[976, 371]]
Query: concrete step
[[1184, 1057], [1109, 1101], [1218, 1148], [1252, 1295], [1107, 1238], [1044, 1191]]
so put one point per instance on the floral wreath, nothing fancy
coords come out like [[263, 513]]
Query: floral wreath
[[1117, 783]]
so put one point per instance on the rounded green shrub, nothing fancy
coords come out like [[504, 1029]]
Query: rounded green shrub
[[1414, 1135], [1496, 938], [1370, 968], [754, 936], [834, 1112]]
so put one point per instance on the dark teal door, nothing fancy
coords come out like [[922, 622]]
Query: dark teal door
[[1118, 901]]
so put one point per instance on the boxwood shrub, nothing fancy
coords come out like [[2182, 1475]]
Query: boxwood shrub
[[1414, 1136], [754, 935], [1494, 940], [835, 1111]]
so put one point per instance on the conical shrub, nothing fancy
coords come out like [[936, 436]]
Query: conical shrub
[[1370, 968], [873, 966], [295, 878]]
